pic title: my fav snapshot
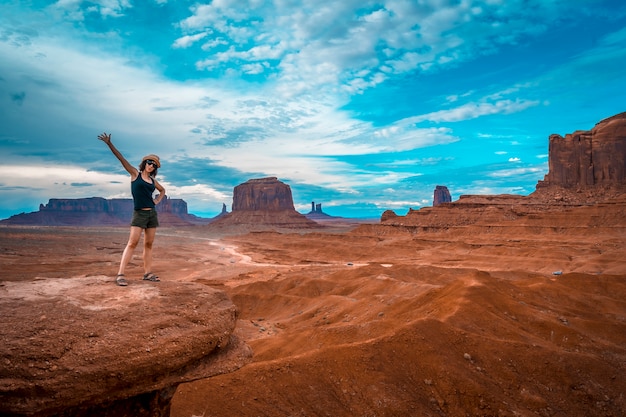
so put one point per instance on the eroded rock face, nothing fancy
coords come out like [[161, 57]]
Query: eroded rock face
[[84, 347], [262, 204], [262, 194], [441, 195], [388, 215], [585, 159]]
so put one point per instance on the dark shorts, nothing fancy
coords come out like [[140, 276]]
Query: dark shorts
[[146, 219]]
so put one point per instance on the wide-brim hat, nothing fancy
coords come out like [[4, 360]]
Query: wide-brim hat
[[154, 157]]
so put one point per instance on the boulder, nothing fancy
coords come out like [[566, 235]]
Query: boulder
[[83, 346]]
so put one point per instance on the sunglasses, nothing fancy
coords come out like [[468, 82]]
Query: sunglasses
[[151, 162]]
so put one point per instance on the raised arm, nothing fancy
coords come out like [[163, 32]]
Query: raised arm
[[106, 138]]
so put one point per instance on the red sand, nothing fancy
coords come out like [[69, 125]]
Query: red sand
[[344, 324]]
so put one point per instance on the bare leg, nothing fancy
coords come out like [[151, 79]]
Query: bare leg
[[148, 240], [133, 240]]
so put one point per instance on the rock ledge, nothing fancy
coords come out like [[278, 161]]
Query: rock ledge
[[83, 346]]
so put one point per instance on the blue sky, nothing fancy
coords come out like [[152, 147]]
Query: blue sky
[[359, 105]]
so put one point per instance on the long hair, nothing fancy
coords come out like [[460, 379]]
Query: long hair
[[142, 166]]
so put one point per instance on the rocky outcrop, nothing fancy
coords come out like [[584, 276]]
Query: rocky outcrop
[[588, 159], [441, 195], [265, 194], [315, 208], [387, 215], [262, 204], [97, 211], [317, 213], [79, 347]]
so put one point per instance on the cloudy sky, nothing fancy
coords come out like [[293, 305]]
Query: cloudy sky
[[359, 105]]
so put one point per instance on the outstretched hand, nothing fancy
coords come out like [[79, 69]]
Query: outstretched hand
[[105, 138]]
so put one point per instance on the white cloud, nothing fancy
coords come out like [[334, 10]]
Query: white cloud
[[256, 68], [146, 113], [516, 172], [342, 41], [187, 41], [401, 204], [474, 110], [195, 193], [75, 9], [60, 181]]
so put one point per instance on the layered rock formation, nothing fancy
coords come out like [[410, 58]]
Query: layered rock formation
[[265, 194], [585, 168], [81, 347], [590, 158], [262, 204], [441, 195], [97, 211]]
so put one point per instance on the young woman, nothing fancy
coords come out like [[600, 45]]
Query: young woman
[[142, 185]]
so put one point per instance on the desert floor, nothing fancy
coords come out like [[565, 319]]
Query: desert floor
[[365, 324]]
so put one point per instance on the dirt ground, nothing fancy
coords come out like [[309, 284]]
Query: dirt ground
[[357, 324]]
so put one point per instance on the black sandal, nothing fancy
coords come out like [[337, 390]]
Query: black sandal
[[149, 276], [120, 280]]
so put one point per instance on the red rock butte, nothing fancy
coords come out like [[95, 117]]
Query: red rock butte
[[262, 204], [589, 159]]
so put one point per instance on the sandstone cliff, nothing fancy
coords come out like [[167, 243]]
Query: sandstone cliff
[[262, 194], [588, 159]]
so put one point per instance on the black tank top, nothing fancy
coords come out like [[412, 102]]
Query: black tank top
[[142, 193]]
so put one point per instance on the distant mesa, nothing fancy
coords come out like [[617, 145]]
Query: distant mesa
[[258, 204], [441, 195], [262, 204], [97, 211], [317, 213]]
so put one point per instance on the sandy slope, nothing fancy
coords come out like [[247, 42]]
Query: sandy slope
[[371, 324]]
